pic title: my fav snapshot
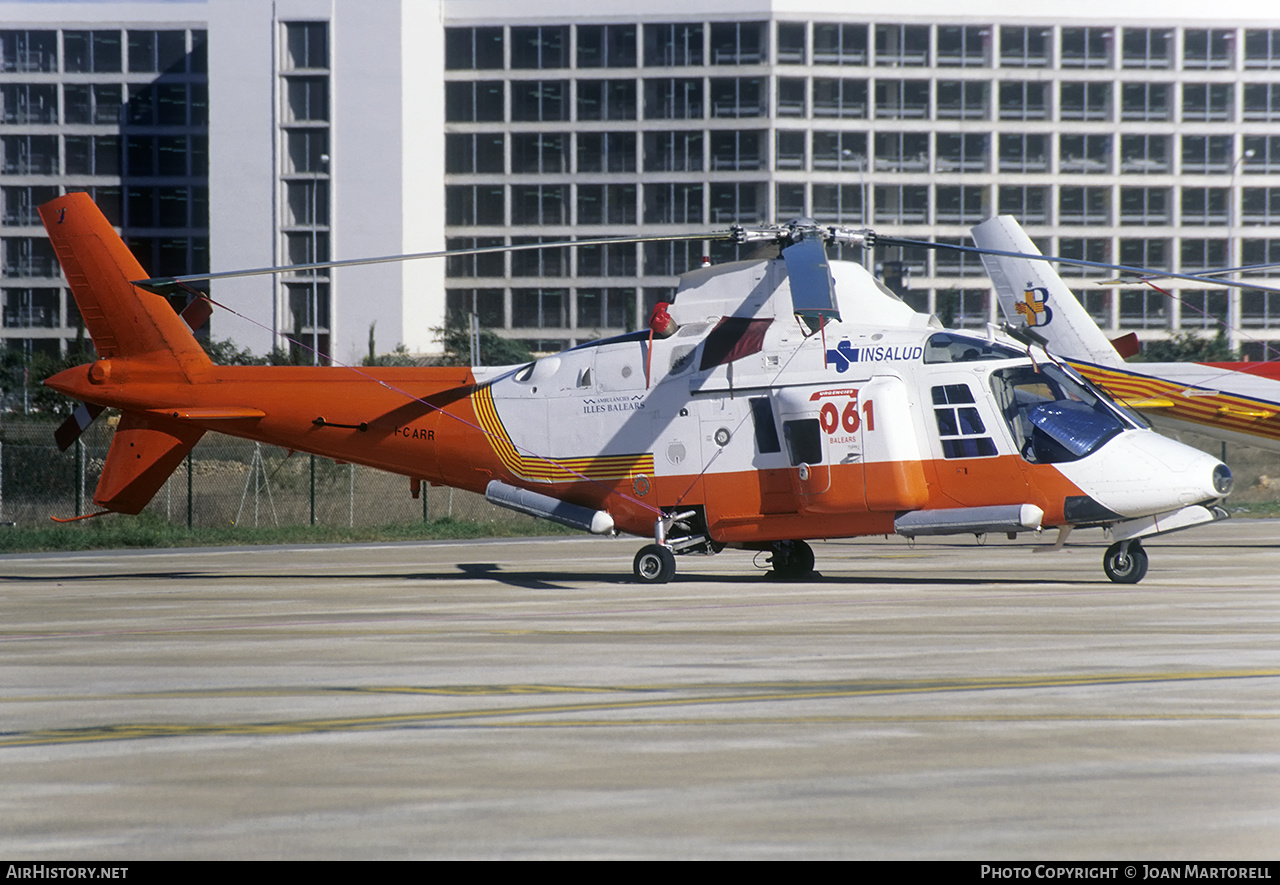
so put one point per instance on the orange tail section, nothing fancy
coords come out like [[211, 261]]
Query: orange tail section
[[137, 335], [124, 321], [143, 453]]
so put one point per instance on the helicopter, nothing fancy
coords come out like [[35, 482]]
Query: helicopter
[[1231, 401], [771, 403]]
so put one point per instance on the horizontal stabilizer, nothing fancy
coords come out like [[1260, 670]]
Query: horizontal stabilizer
[[145, 450]]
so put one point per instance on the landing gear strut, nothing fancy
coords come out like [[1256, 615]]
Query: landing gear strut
[[1125, 562], [792, 560]]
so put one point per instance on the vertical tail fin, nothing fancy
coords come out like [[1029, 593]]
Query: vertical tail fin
[[1031, 292], [124, 321]]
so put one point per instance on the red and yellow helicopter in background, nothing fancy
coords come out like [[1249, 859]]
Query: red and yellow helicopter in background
[[774, 402]]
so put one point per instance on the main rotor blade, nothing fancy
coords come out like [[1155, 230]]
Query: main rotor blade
[[812, 289], [1142, 272], [164, 285]]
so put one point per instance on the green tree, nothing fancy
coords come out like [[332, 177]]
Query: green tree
[[1187, 347]]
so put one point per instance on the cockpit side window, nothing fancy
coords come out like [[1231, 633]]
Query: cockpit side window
[[949, 347]]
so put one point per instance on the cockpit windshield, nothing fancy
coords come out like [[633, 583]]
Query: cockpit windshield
[[1053, 416]]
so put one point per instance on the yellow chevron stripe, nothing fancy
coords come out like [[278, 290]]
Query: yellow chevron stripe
[[1226, 411], [538, 469]]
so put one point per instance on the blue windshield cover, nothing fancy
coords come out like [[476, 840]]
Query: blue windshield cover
[[1078, 428]]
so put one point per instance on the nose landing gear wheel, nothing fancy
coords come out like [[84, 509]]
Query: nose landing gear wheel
[[654, 564], [1125, 562]]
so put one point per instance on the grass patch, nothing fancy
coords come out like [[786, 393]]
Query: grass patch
[[149, 531]]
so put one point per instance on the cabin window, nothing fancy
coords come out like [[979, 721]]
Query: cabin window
[[960, 425], [804, 441], [766, 430]]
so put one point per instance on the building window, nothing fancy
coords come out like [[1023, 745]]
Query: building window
[[544, 152], [1096, 249], [31, 52], [963, 46], [791, 96], [953, 263], [1143, 308], [618, 260], [1024, 153], [962, 100], [738, 43], [962, 152], [540, 100], [736, 150], [1024, 100], [1144, 205], [606, 46], [606, 204], [967, 309], [468, 204], [472, 49], [1144, 154], [1203, 309], [1206, 48], [32, 308], [605, 308], [789, 201], [1084, 205], [741, 202], [1086, 47], [669, 259], [1262, 49], [307, 99], [1030, 205], [473, 101], [901, 99], [733, 97], [153, 52], [673, 204], [606, 99], [1260, 206], [539, 204], [1084, 154], [678, 98], [1146, 48], [790, 150], [1262, 101], [473, 153], [844, 151], [98, 104], [306, 150], [487, 304], [1145, 102], [540, 308], [791, 39], [484, 264], [679, 151], [902, 152], [676, 45], [1085, 101], [960, 205], [1261, 154], [306, 45], [539, 48], [1261, 252], [1206, 153], [29, 257], [606, 151], [902, 45], [1207, 101], [839, 44], [19, 205], [92, 52], [839, 98], [1022, 47], [1144, 254], [902, 204], [838, 204], [1259, 309], [538, 262], [1202, 254]]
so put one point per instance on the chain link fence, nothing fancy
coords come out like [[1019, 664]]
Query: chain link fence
[[226, 481]]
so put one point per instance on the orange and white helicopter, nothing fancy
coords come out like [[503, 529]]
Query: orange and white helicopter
[[773, 402]]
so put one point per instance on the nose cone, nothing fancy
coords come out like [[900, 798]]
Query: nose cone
[[1140, 472]]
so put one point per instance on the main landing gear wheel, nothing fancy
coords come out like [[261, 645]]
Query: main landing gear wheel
[[792, 560], [655, 564], [1125, 562]]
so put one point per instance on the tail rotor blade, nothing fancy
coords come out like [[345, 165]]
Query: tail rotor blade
[[69, 431]]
